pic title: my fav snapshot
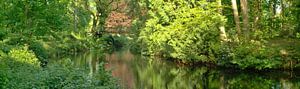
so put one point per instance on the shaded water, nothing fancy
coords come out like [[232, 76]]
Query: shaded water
[[137, 72]]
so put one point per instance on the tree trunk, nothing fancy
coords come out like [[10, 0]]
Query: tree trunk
[[244, 7], [275, 3], [223, 35], [282, 14], [282, 7], [75, 20], [272, 14], [236, 16], [257, 15], [74, 16], [94, 20]]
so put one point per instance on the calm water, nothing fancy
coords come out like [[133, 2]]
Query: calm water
[[137, 72]]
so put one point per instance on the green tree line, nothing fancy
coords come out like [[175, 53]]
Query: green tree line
[[34, 31], [259, 34]]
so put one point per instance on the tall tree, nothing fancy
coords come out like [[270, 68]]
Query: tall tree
[[101, 12], [282, 7], [244, 6], [221, 26], [236, 16], [74, 15], [257, 14]]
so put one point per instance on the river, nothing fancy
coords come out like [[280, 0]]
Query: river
[[138, 72]]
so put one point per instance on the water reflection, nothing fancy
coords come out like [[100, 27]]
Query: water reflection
[[137, 72], [119, 63], [89, 60]]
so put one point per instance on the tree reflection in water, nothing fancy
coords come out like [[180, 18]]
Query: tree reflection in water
[[137, 72]]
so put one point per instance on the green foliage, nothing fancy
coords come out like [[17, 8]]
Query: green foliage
[[18, 72], [39, 51], [67, 76], [3, 80], [181, 29], [4, 67], [297, 35], [23, 56], [117, 42], [40, 23], [32, 30], [34, 17], [4, 48], [251, 55], [188, 31], [3, 34]]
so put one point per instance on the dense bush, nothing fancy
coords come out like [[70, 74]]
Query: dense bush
[[23, 56], [185, 30], [39, 50], [250, 55], [21, 70], [31, 32], [69, 77], [3, 75]]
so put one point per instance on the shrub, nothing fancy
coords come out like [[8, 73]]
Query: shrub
[[185, 30], [3, 69], [16, 73], [250, 55], [24, 56], [40, 52]]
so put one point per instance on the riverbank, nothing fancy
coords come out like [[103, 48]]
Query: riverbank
[[40, 63], [275, 54], [21, 68]]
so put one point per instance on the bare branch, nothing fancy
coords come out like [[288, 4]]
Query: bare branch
[[111, 2], [116, 7]]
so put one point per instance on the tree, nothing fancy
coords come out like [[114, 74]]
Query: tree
[[185, 30], [236, 16], [103, 9], [244, 6], [223, 35], [257, 14]]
